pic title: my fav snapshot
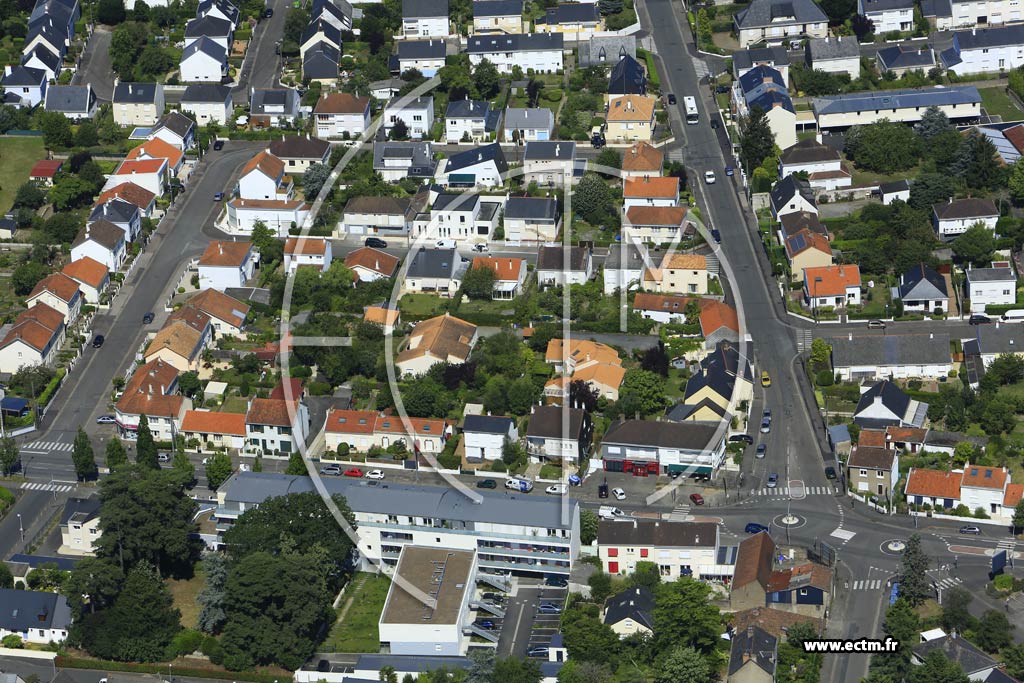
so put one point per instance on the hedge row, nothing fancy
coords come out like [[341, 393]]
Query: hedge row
[[51, 388]]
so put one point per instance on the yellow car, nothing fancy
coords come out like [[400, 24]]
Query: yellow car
[[766, 381]]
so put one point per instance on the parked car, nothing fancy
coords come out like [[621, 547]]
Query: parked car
[[716, 235], [556, 489], [375, 474], [98, 340], [766, 425], [353, 472], [485, 624], [696, 499], [742, 438], [714, 124], [773, 480], [830, 472], [602, 490], [147, 319], [976, 531], [480, 248], [619, 494], [445, 244], [106, 420], [516, 484], [537, 651], [556, 581], [218, 145], [267, 13], [762, 450], [487, 484], [721, 89], [729, 171], [549, 608], [876, 325], [609, 512], [163, 457], [755, 528], [709, 177], [375, 242], [331, 470], [979, 319], [493, 598], [218, 197]]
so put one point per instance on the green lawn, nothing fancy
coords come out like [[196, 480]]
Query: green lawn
[[17, 157], [862, 177], [358, 631], [419, 306], [998, 103], [493, 307], [235, 404]]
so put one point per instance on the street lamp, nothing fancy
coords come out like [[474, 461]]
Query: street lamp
[[21, 529]]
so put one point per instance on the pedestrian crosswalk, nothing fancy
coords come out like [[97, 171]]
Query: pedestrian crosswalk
[[867, 584], [1006, 544], [37, 486], [676, 154], [798, 491], [804, 339], [679, 513], [948, 582], [701, 67], [47, 446]]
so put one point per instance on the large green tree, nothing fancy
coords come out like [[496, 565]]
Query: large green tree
[[82, 456], [929, 189], [593, 199], [586, 637], [975, 245], [683, 665], [478, 283], [145, 447], [211, 597], [92, 585], [993, 631], [9, 455], [757, 142], [902, 624], [218, 469], [937, 669], [516, 670], [641, 392], [978, 164], [486, 79], [955, 613], [114, 454], [589, 523], [914, 586], [884, 147], [685, 616]]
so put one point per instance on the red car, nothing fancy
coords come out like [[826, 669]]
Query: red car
[[696, 499], [353, 472]]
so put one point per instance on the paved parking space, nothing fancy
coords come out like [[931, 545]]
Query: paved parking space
[[637, 489]]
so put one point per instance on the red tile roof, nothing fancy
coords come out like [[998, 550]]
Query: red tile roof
[[221, 306], [714, 315], [834, 280], [642, 156], [58, 284], [129, 192], [140, 166], [294, 387], [46, 168], [505, 269], [933, 483], [372, 259], [351, 421], [341, 103], [1014, 492], [209, 422], [37, 327], [225, 254], [308, 246], [157, 148], [146, 391], [659, 187], [871, 438], [87, 271], [268, 411], [656, 215], [267, 163], [980, 477], [754, 561]]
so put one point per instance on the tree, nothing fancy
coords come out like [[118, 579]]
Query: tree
[[56, 130], [993, 631], [154, 62], [478, 282], [937, 669], [486, 79], [313, 180], [145, 446], [26, 276], [83, 457], [978, 164], [933, 122], [757, 142], [683, 665], [655, 360], [93, 584], [29, 196], [211, 597], [583, 395], [646, 575], [1015, 182], [902, 624], [110, 12], [574, 671], [138, 626], [593, 198], [929, 189], [6, 577], [683, 615], [912, 578], [642, 392], [955, 612], [884, 147], [586, 637], [516, 670], [86, 135], [263, 238], [146, 517], [600, 585], [821, 352], [115, 455], [399, 130], [861, 26], [1013, 658], [70, 192], [9, 455], [589, 523], [189, 384], [609, 157], [183, 467], [218, 469], [975, 245], [481, 666], [456, 78], [1018, 516]]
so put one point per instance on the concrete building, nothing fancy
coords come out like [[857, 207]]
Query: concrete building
[[873, 470], [35, 616], [986, 50], [837, 112], [547, 440], [208, 103], [539, 52], [955, 216], [227, 264], [339, 114], [556, 267], [425, 18], [996, 286], [80, 526], [484, 436], [138, 104], [497, 16], [774, 21], [678, 548], [651, 448], [834, 55], [888, 15]]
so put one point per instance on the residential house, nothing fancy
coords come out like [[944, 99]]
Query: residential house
[[33, 339], [763, 87], [24, 86], [45, 170], [397, 160], [386, 89], [210, 27], [220, 9], [385, 216], [204, 429], [725, 379], [775, 56], [227, 264], [299, 152], [336, 12], [369, 264], [273, 108], [1008, 139], [204, 60], [678, 548], [549, 163], [80, 526], [655, 224], [873, 470], [883, 404], [630, 118], [899, 356], [338, 114], [320, 63], [417, 114], [977, 665], [151, 391], [470, 121], [836, 286], [102, 241], [317, 33], [834, 55], [48, 33], [598, 365], [791, 195], [151, 174], [627, 77], [718, 322], [425, 56], [642, 160], [138, 104], [952, 218], [263, 177], [958, 102], [42, 59], [606, 49], [540, 52], [38, 617], [208, 103], [276, 426], [307, 252], [625, 266], [59, 292], [181, 341], [984, 487], [900, 60], [91, 276], [484, 436], [996, 286], [531, 219], [807, 249], [679, 273], [801, 588], [461, 217], [176, 129], [662, 308], [577, 21], [888, 15], [923, 290], [753, 656], [660, 191], [426, 435], [227, 314], [497, 16], [157, 149], [629, 612], [561, 265], [353, 428], [444, 339], [385, 315], [484, 166], [75, 102], [522, 125], [547, 440], [280, 215], [774, 21], [425, 18], [823, 165], [985, 50], [653, 448], [936, 488], [890, 192]]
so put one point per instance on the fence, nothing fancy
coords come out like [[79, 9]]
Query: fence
[[956, 518]]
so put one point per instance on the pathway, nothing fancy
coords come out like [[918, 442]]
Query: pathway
[[352, 590]]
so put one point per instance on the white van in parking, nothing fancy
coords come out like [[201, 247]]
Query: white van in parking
[[609, 512], [1014, 316], [517, 484]]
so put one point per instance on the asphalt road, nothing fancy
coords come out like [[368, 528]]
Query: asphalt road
[[32, 506], [261, 68], [96, 67]]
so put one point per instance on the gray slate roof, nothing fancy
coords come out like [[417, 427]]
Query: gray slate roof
[[896, 57], [135, 93], [809, 151], [893, 187], [206, 93], [546, 423], [82, 509], [211, 27], [468, 109], [419, 155], [434, 263], [971, 207], [746, 59], [261, 99], [551, 257], [117, 211], [896, 99], [606, 49], [891, 349], [532, 208], [922, 283], [628, 77], [989, 37], [635, 603], [21, 76], [175, 122], [21, 610], [753, 644], [519, 118], [300, 147], [51, 60], [787, 188], [779, 12], [957, 649], [572, 13], [516, 42], [321, 61], [415, 9], [990, 275], [497, 8], [330, 32], [833, 48], [488, 424], [208, 47], [421, 49], [892, 397], [632, 259], [454, 201], [688, 435], [228, 9], [549, 150], [471, 157], [887, 5], [70, 98]]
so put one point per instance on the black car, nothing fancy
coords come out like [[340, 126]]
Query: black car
[[714, 124], [485, 624], [147, 319], [602, 491], [493, 598], [597, 141], [754, 528], [97, 341], [218, 145], [716, 236], [722, 89], [556, 581], [375, 242], [830, 472], [267, 13], [979, 319], [671, 98], [742, 438], [487, 484]]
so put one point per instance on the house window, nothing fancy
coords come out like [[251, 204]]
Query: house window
[[613, 552], [613, 567], [643, 552]]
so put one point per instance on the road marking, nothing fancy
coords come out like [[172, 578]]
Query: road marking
[[867, 585], [38, 486], [48, 446], [804, 339], [843, 534]]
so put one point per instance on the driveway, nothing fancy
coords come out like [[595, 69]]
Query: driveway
[[95, 67]]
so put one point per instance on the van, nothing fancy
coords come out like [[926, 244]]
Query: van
[[521, 485], [609, 512], [1014, 316]]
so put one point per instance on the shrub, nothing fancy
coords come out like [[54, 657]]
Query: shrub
[[1003, 582], [449, 461], [186, 642], [979, 513], [551, 94], [12, 642], [962, 510], [824, 378]]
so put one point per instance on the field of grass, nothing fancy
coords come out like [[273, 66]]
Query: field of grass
[[17, 157], [862, 178], [997, 103], [235, 404], [357, 631], [419, 305], [184, 594]]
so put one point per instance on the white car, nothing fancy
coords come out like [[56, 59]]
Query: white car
[[556, 489], [709, 177], [375, 474], [445, 244], [106, 420], [619, 494], [480, 248]]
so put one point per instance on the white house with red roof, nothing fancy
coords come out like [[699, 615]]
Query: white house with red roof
[[59, 292], [204, 429], [371, 264], [136, 195], [227, 264], [307, 251], [975, 486], [509, 274], [150, 174], [263, 177], [152, 390], [265, 193], [361, 430], [835, 286], [45, 170], [276, 425], [33, 339], [159, 149], [92, 277]]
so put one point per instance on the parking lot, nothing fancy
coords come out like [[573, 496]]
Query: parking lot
[[526, 627], [637, 489]]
